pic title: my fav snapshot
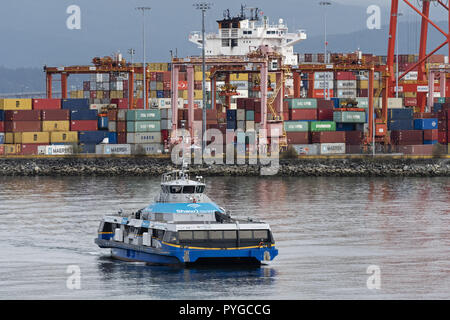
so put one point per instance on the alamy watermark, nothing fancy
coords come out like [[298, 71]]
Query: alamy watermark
[[374, 19], [374, 280], [73, 22], [73, 282]]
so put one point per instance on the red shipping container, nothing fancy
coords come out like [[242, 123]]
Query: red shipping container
[[112, 115], [328, 137], [325, 114], [83, 125], [443, 137], [410, 102], [121, 126], [47, 104], [121, 137], [257, 117], [425, 115], [298, 137], [164, 135], [55, 115], [407, 137], [2, 126], [325, 104], [121, 103], [354, 137], [250, 104], [443, 124], [303, 114], [241, 103], [22, 115], [345, 75], [30, 148], [426, 149], [93, 94], [2, 150], [198, 114], [430, 134], [23, 126]]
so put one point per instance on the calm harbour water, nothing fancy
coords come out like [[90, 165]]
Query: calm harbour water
[[328, 232]]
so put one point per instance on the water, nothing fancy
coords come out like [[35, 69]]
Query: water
[[328, 232]]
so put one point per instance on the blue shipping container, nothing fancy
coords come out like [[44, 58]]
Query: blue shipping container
[[87, 148], [430, 141], [112, 137], [437, 107], [426, 124], [160, 94], [94, 137], [336, 102], [75, 104], [345, 126], [83, 114], [232, 125], [103, 122], [400, 125], [2, 138], [400, 114], [231, 115], [2, 115]]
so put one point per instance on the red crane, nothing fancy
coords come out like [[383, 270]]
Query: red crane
[[423, 56]]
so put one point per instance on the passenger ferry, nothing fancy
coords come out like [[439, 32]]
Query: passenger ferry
[[183, 226]]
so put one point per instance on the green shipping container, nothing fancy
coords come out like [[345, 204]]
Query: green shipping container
[[349, 116], [250, 115], [302, 103], [143, 126], [296, 126], [362, 102], [143, 115], [318, 126]]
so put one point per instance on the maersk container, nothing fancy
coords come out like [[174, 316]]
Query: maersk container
[[332, 148], [316, 126], [107, 149], [83, 114], [75, 104], [147, 149], [297, 103], [144, 137], [426, 124], [143, 115], [349, 116], [296, 126], [89, 137], [143, 126]]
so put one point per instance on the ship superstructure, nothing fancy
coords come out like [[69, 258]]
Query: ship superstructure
[[242, 34]]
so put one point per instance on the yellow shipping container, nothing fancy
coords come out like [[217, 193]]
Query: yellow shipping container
[[198, 94], [49, 126], [364, 84], [9, 137], [152, 94], [12, 148], [15, 104], [31, 137], [139, 76], [410, 94], [239, 77], [272, 77], [198, 75], [61, 137], [99, 94], [159, 85]]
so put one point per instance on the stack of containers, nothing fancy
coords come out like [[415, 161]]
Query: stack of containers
[[2, 132], [444, 124], [166, 123], [346, 84], [403, 135], [144, 131], [428, 123], [21, 124]]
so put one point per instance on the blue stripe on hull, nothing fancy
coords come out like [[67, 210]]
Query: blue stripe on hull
[[133, 255]]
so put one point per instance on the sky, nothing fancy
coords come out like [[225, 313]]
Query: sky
[[34, 33]]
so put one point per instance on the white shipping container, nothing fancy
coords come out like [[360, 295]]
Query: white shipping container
[[323, 76], [166, 113], [346, 93], [395, 103], [112, 126], [113, 149], [144, 137], [346, 84], [149, 149], [306, 149], [59, 150], [321, 84], [122, 114], [240, 114], [166, 124], [98, 106], [240, 85], [250, 125], [42, 150], [332, 148]]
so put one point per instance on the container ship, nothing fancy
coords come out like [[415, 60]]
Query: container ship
[[253, 81]]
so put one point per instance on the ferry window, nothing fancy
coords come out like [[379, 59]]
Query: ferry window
[[170, 237], [107, 227], [260, 234], [245, 234], [229, 234], [234, 42], [215, 235], [176, 189], [225, 42], [199, 189], [189, 189], [158, 233], [200, 235], [225, 25], [235, 25], [185, 235]]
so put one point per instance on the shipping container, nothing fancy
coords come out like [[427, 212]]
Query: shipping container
[[298, 137], [46, 104], [144, 137], [349, 116], [328, 137], [318, 126], [302, 103], [143, 115], [15, 104], [296, 126], [400, 114], [83, 114], [87, 148], [75, 104], [64, 137], [407, 137], [12, 149], [59, 150], [400, 125], [143, 126], [147, 149], [55, 115], [23, 115], [103, 123], [89, 137], [303, 114], [120, 149], [425, 124], [332, 148], [22, 126], [83, 125], [306, 149], [55, 126]]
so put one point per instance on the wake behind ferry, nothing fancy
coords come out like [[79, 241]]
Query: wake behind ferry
[[183, 226]]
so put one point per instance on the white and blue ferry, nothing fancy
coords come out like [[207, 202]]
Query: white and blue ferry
[[183, 226]]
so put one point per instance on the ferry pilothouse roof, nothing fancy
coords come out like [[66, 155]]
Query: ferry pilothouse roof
[[242, 34]]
